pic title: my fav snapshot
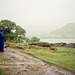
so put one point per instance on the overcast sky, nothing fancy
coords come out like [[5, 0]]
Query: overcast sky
[[50, 13], [38, 12]]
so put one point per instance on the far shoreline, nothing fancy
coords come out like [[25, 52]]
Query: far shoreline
[[58, 40]]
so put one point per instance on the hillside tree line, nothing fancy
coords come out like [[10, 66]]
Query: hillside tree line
[[13, 32]]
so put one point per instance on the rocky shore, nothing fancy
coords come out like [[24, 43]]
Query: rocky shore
[[69, 45]]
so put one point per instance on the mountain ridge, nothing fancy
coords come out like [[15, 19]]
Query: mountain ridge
[[67, 30]]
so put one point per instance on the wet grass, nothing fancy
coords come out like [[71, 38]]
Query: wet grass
[[58, 58], [66, 49]]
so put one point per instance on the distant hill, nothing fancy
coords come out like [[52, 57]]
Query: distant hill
[[67, 31], [38, 30]]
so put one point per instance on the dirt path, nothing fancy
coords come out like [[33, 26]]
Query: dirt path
[[23, 64]]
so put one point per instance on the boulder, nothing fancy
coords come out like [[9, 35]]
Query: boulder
[[71, 45], [59, 44]]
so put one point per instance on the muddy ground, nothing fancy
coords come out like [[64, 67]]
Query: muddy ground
[[17, 63]]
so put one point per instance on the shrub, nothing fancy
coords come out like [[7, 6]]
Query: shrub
[[35, 39], [44, 44]]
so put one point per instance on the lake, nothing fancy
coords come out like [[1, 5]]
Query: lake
[[58, 40]]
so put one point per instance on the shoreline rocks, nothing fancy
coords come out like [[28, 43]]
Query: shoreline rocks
[[59, 44], [46, 44], [69, 45]]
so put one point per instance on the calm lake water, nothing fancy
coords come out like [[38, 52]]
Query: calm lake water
[[58, 40]]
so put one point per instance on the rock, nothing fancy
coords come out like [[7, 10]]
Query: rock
[[59, 44], [71, 45], [71, 52]]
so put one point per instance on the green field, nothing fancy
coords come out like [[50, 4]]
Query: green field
[[66, 49], [59, 58]]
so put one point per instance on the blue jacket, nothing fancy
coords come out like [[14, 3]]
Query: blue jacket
[[1, 40]]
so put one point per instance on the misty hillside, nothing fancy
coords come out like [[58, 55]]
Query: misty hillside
[[38, 30], [66, 31]]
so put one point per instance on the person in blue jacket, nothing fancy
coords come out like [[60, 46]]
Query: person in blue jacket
[[1, 41]]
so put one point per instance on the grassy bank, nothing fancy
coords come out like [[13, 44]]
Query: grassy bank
[[66, 49], [59, 58]]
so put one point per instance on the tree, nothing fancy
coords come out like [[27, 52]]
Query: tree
[[12, 31], [7, 25], [35, 39], [21, 33], [27, 40], [11, 36]]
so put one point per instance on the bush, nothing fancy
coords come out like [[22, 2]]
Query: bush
[[35, 39], [44, 44]]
